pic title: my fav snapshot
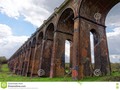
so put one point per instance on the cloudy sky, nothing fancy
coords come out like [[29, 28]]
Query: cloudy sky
[[20, 18]]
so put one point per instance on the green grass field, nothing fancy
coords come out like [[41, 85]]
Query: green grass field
[[6, 75]]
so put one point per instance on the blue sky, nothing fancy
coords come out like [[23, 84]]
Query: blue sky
[[18, 21], [19, 26]]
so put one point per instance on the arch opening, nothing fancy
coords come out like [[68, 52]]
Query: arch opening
[[65, 29], [67, 56], [113, 32], [66, 21], [92, 48], [50, 32], [94, 14], [36, 66], [40, 37], [32, 52], [34, 42], [48, 47], [94, 45]]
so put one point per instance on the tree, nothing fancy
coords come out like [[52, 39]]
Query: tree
[[3, 60]]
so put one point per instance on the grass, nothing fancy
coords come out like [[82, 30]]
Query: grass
[[6, 75], [114, 77]]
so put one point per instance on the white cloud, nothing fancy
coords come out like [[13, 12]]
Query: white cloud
[[115, 33], [115, 58], [33, 11], [113, 20], [114, 43], [5, 31], [8, 42]]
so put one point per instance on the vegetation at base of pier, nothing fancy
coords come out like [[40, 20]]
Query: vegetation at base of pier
[[6, 75], [3, 60]]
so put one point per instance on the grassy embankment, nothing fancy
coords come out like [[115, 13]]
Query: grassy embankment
[[6, 75]]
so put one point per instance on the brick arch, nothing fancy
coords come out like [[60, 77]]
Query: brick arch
[[28, 53], [22, 60], [31, 56], [60, 13], [33, 41], [26, 46], [40, 36], [95, 35], [47, 45], [96, 41], [65, 20], [29, 44], [49, 32], [37, 57], [93, 14], [64, 31], [89, 9]]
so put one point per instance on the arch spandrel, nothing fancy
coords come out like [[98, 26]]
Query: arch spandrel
[[96, 10], [49, 32], [40, 37], [65, 21]]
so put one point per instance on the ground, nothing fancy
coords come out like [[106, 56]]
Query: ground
[[6, 75]]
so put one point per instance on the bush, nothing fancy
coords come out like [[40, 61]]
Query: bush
[[115, 67], [3, 60]]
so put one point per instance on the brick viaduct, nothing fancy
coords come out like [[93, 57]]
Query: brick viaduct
[[73, 21]]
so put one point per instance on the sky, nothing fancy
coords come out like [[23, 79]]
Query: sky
[[20, 18]]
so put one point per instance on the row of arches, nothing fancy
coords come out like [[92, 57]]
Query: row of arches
[[45, 50]]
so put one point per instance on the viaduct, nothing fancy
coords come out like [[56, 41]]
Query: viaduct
[[73, 20]]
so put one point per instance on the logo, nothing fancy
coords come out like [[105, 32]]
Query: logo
[[41, 72], [3, 85], [97, 72], [117, 85], [97, 16]]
